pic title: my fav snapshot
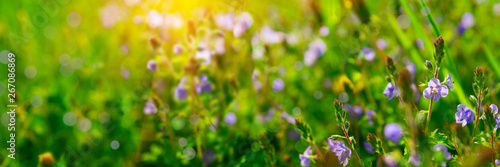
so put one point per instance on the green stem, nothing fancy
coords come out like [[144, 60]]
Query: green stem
[[352, 145]]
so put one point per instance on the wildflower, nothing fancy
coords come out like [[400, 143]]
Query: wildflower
[[449, 82], [435, 90], [324, 31], [125, 73], [391, 91], [393, 132], [204, 85], [269, 115], [230, 118], [417, 93], [467, 20], [494, 108], [305, 159], [368, 147], [390, 161], [154, 19], [151, 65], [340, 150], [428, 64], [368, 53], [412, 68], [381, 44], [357, 111], [415, 159], [315, 50], [243, 23], [208, 157], [446, 154], [203, 53], [278, 85], [464, 115], [177, 49], [288, 117], [220, 49], [370, 114], [269, 36], [181, 92], [496, 10], [420, 43], [225, 21], [150, 107]]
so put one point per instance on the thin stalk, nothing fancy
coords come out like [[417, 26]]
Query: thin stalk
[[430, 105], [321, 156], [493, 147], [352, 145], [458, 152], [477, 117]]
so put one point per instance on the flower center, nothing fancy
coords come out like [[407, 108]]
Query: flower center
[[434, 90]]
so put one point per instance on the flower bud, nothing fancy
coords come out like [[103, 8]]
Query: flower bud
[[389, 62], [439, 50], [428, 65]]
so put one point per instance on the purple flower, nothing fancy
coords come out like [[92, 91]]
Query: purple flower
[[435, 90], [449, 82], [464, 115], [497, 162], [125, 73], [269, 115], [225, 21], [177, 49], [151, 65], [243, 23], [324, 31], [369, 53], [340, 150], [208, 157], [393, 132], [498, 123], [446, 154], [204, 54], [391, 91], [220, 47], [357, 112], [270, 36], [494, 108], [381, 44], [230, 118], [255, 80], [429, 64], [288, 117], [417, 93], [412, 68], [420, 43], [278, 85], [370, 114], [467, 20], [305, 159], [368, 147], [150, 108], [415, 159], [390, 161], [316, 49], [204, 85], [460, 29], [181, 92]]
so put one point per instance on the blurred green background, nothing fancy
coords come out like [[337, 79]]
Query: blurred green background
[[82, 80]]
